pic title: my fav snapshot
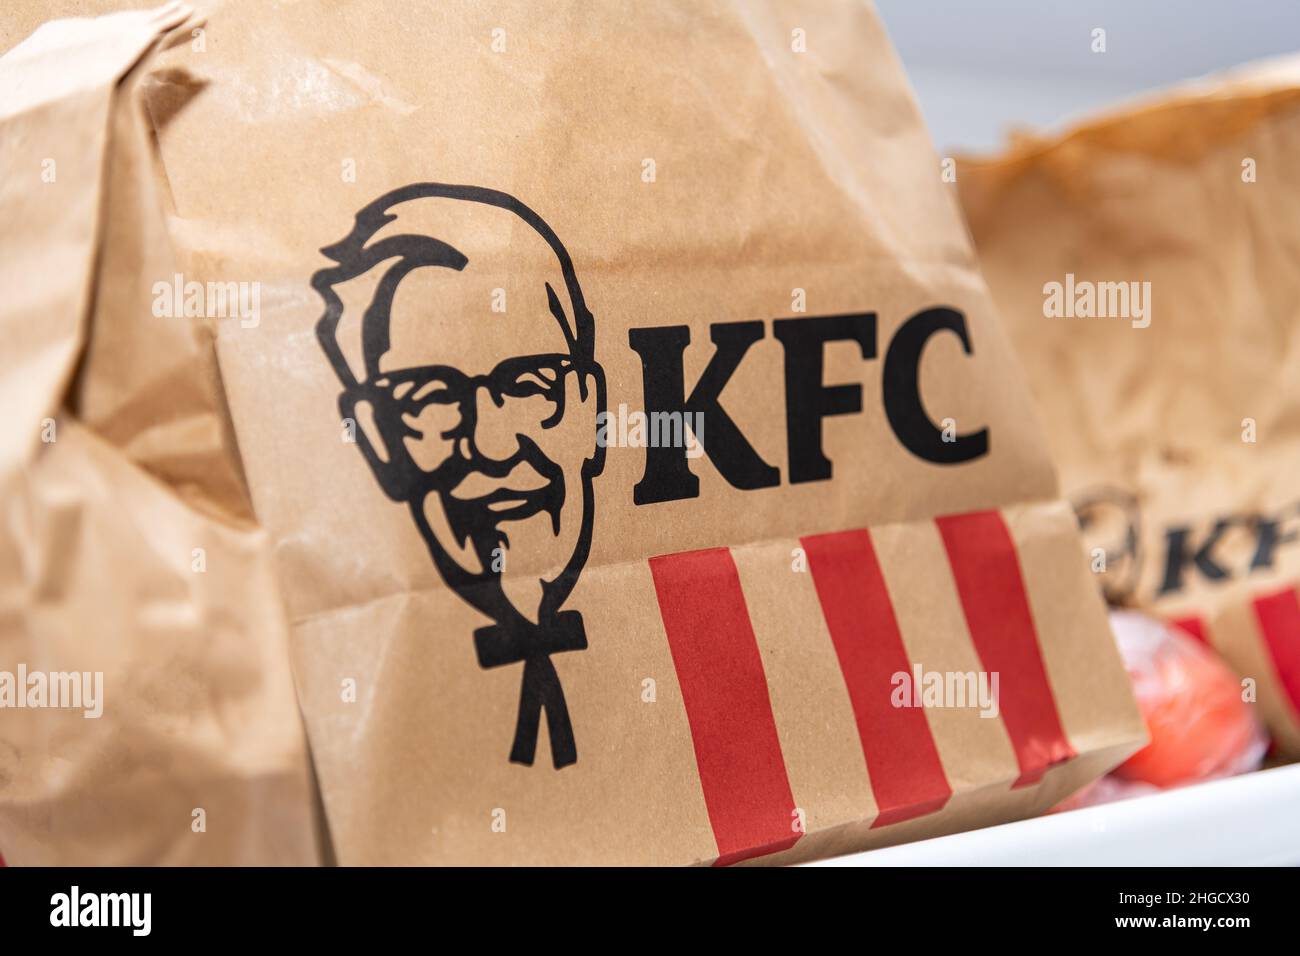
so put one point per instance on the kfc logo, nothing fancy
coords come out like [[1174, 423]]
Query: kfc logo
[[475, 397]]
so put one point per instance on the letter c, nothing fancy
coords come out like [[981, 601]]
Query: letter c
[[902, 391]]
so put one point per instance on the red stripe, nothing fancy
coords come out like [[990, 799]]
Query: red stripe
[[906, 774], [1279, 621], [737, 752], [1194, 626], [987, 571]]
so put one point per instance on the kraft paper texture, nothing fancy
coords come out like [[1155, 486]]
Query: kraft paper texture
[[130, 548], [1178, 442]]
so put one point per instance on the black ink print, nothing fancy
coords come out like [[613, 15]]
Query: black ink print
[[491, 443]]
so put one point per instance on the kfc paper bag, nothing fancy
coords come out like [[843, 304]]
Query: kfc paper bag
[[649, 478], [1146, 264], [146, 708]]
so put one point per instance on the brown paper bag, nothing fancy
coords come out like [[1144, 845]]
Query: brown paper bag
[[649, 478], [1177, 430], [148, 714]]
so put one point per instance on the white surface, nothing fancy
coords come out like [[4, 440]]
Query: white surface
[[1248, 820], [981, 68]]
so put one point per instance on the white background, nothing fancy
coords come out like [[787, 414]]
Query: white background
[[981, 66]]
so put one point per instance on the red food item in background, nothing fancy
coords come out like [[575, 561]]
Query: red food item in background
[[1199, 725]]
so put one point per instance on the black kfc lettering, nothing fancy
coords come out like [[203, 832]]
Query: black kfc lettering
[[902, 393], [1179, 554], [668, 476], [1271, 532], [807, 400]]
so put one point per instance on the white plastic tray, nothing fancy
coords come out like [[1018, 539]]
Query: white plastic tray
[[1248, 820]]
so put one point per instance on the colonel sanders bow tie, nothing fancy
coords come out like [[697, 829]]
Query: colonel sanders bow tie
[[500, 644]]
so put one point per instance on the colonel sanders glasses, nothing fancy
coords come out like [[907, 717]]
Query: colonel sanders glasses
[[404, 394]]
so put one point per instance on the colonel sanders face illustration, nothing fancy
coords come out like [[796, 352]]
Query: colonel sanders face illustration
[[474, 392]]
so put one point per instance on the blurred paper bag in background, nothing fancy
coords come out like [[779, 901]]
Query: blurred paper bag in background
[[154, 721], [648, 475], [1146, 263]]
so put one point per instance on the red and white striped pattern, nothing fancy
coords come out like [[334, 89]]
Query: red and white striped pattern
[[728, 698], [1273, 624]]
